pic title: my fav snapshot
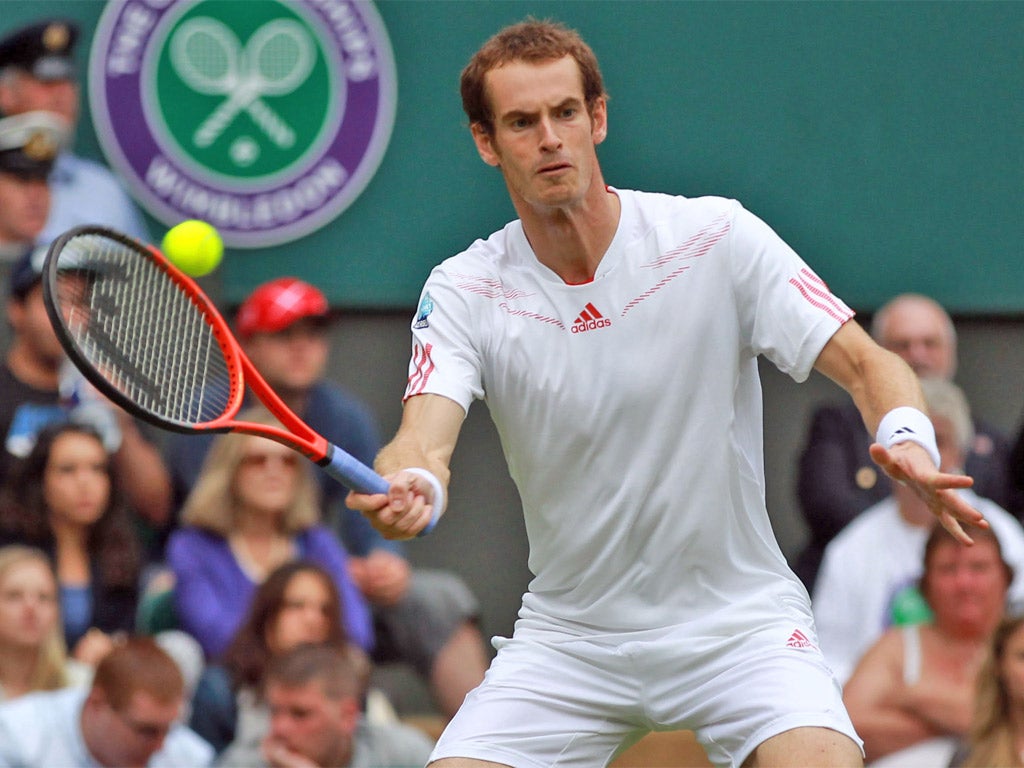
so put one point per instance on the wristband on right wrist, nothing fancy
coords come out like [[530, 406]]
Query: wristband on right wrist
[[439, 498], [906, 424]]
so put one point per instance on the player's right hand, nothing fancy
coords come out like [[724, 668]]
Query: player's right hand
[[403, 512]]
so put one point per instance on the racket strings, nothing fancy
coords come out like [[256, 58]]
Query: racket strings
[[143, 332]]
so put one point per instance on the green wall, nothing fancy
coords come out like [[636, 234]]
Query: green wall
[[884, 141]]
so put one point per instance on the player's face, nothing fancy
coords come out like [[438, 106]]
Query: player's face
[[268, 476], [966, 586], [304, 616], [292, 360], [28, 604], [24, 206], [544, 139], [920, 334], [305, 721], [76, 481], [1011, 668]]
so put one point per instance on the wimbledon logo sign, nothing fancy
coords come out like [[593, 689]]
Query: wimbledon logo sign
[[266, 118]]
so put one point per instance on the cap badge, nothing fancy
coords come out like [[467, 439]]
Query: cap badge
[[40, 147], [56, 37]]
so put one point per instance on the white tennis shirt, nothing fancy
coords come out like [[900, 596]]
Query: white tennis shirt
[[629, 407]]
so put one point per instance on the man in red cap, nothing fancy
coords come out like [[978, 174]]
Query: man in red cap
[[425, 617]]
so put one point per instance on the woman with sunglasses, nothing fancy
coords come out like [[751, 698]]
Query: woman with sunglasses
[[253, 509]]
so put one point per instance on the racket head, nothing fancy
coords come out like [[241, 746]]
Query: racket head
[[141, 331]]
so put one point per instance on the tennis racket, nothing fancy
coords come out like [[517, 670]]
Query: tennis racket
[[147, 337]]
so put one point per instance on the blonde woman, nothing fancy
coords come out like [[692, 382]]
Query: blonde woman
[[997, 732], [253, 508], [33, 656]]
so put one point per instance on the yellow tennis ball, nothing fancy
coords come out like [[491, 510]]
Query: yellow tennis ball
[[194, 247]]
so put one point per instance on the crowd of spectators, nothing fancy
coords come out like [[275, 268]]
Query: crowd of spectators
[[171, 599]]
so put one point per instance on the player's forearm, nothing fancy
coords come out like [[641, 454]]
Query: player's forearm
[[887, 383], [876, 379], [426, 438]]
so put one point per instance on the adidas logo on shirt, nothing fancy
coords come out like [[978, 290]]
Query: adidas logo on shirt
[[590, 319]]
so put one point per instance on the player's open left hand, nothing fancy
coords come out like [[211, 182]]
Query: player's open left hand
[[909, 464], [401, 513]]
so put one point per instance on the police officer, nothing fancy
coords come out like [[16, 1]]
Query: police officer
[[37, 72], [29, 144]]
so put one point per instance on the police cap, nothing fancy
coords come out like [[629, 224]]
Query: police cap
[[29, 143], [45, 49]]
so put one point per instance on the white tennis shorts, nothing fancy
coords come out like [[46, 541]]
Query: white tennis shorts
[[551, 699]]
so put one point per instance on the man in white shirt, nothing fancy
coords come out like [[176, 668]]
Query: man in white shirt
[[614, 335], [129, 717]]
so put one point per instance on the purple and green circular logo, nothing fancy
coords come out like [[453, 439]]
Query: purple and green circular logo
[[266, 118]]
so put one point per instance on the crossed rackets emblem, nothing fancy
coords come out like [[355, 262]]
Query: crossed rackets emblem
[[210, 59]]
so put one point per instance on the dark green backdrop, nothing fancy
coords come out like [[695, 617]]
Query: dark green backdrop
[[884, 141]]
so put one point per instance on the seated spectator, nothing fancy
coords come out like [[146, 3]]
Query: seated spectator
[[425, 617], [126, 718], [868, 567], [253, 508], [33, 656], [837, 480], [38, 386], [63, 498], [917, 682], [313, 694], [997, 731], [298, 603], [37, 72]]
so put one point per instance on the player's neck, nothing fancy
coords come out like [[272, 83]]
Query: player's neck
[[572, 240], [31, 369]]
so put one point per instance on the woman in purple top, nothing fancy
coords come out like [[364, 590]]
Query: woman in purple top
[[253, 508]]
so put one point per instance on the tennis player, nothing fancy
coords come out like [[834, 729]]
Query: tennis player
[[614, 336]]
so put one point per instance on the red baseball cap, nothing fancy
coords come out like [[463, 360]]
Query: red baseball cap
[[274, 306]]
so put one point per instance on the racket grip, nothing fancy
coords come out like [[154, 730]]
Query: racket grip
[[349, 471]]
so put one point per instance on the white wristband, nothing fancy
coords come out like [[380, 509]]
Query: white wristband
[[438, 502], [906, 424]]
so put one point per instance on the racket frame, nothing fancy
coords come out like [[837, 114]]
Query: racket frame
[[298, 434], [295, 434]]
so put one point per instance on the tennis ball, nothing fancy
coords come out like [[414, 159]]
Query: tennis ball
[[194, 247]]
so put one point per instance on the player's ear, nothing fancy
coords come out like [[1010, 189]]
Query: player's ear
[[484, 141], [599, 120]]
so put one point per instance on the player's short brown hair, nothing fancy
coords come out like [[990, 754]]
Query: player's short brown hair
[[531, 41]]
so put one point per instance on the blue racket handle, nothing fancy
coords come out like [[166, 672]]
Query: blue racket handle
[[348, 470]]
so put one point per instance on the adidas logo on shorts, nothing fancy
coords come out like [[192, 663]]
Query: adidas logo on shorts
[[798, 640]]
